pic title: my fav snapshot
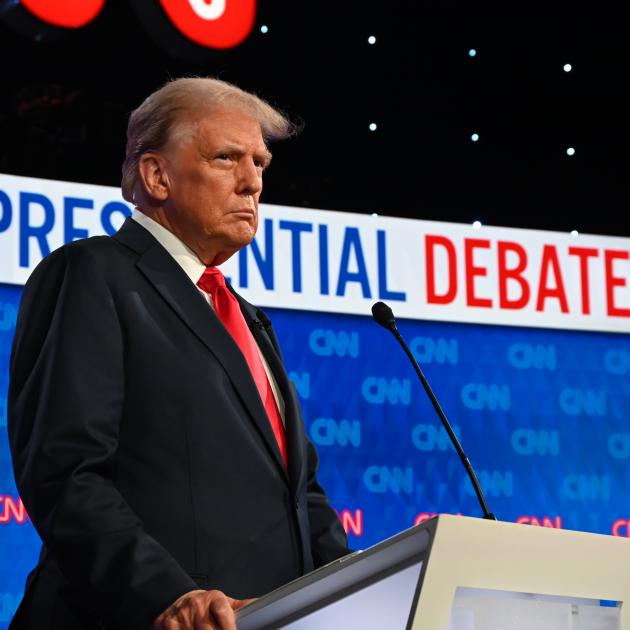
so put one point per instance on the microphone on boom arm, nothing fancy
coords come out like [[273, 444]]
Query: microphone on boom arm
[[384, 316]]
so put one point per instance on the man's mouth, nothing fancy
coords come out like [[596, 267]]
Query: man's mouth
[[249, 212]]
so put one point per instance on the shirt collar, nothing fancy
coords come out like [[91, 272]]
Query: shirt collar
[[183, 255]]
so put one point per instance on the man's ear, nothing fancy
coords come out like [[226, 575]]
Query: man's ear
[[153, 176]]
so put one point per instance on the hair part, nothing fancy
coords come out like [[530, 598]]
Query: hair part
[[152, 124]]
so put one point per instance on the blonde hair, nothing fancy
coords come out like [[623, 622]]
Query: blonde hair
[[150, 125]]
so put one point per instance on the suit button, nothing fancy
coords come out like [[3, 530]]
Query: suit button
[[296, 503]]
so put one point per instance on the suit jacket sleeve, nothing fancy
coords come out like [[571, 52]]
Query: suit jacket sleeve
[[65, 400]]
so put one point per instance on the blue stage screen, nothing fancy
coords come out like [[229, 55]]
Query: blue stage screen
[[542, 414]]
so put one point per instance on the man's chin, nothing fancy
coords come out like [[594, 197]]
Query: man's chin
[[243, 236], [230, 247]]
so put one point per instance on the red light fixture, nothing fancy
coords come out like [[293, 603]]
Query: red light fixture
[[65, 13]]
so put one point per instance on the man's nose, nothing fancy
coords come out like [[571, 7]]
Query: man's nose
[[249, 178]]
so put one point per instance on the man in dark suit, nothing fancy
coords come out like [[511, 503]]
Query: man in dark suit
[[157, 441]]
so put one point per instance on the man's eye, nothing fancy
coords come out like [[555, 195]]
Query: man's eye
[[223, 156]]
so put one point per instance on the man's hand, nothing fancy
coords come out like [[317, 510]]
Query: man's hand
[[201, 610]]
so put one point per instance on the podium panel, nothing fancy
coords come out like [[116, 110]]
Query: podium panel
[[522, 559]]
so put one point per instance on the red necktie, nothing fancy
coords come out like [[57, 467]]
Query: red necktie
[[229, 312]]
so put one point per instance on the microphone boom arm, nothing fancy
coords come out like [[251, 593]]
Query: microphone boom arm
[[384, 316]]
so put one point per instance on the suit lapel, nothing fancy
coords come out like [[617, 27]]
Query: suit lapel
[[293, 422], [175, 287]]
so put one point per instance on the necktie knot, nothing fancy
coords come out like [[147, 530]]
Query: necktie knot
[[211, 279]]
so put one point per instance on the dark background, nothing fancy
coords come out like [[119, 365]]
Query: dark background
[[65, 100]]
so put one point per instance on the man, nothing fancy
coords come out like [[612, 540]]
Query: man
[[157, 442]]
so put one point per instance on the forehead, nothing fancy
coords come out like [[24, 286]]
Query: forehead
[[216, 128]]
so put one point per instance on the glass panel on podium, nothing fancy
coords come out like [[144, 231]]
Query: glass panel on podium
[[372, 589], [384, 604]]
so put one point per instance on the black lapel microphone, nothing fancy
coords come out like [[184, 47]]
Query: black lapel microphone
[[262, 322], [385, 317]]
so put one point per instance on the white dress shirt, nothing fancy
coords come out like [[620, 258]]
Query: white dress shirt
[[194, 268]]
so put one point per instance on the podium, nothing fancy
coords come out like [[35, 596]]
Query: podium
[[461, 573]]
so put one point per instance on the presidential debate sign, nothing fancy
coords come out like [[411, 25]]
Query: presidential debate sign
[[341, 263], [522, 334]]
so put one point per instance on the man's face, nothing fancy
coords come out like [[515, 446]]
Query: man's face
[[214, 171]]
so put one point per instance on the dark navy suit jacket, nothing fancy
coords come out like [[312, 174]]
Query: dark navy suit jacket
[[141, 448]]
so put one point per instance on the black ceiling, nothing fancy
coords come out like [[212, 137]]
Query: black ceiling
[[65, 100]]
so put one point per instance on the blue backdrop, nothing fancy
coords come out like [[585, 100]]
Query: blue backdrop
[[542, 414]]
